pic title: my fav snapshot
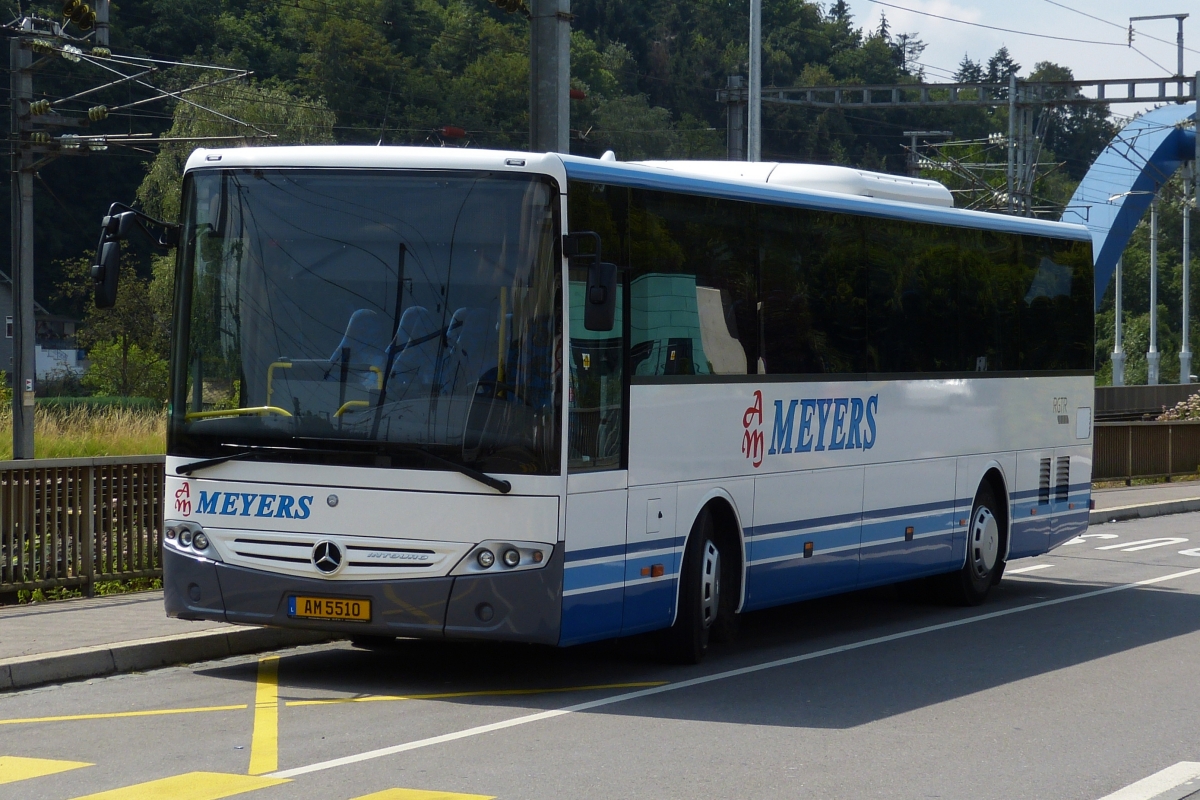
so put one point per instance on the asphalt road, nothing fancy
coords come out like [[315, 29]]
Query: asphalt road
[[1077, 678]]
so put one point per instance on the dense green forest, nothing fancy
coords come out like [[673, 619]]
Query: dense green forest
[[401, 71]]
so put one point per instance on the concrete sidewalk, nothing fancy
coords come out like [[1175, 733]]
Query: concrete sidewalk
[[1139, 502], [74, 639]]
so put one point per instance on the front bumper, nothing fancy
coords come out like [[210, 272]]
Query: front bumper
[[524, 606]]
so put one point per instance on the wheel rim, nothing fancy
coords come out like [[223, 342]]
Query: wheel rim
[[984, 541], [710, 584]]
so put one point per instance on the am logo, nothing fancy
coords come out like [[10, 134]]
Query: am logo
[[803, 425]]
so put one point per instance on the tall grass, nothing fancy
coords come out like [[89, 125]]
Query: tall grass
[[77, 433]]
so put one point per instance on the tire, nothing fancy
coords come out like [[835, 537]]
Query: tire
[[686, 641], [984, 563]]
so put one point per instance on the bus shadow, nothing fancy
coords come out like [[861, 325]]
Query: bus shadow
[[837, 690]]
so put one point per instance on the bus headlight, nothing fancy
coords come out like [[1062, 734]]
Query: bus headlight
[[512, 556], [185, 537], [200, 541]]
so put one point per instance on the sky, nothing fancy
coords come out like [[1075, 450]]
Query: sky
[[949, 41]]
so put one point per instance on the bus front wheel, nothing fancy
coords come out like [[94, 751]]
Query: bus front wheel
[[985, 560], [699, 595]]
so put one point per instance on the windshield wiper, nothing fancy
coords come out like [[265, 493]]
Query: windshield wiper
[[188, 469], [499, 484]]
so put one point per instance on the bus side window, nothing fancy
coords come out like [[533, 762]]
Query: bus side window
[[693, 288]]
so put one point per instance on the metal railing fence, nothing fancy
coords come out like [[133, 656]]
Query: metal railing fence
[[73, 522], [1126, 450]]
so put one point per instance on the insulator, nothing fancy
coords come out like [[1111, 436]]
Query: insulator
[[42, 46], [97, 113], [39, 107], [101, 52], [452, 132], [88, 22], [80, 14], [69, 7], [39, 137]]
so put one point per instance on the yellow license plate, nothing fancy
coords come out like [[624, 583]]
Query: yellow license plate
[[331, 608]]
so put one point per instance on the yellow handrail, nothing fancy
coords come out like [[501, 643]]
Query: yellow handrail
[[271, 376], [349, 404], [237, 412], [378, 374]]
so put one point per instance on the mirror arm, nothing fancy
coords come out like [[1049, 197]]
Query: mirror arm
[[168, 238]]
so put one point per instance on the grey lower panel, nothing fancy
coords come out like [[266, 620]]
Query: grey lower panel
[[190, 587], [518, 606]]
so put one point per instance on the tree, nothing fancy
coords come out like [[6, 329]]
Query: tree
[[969, 71], [1002, 65]]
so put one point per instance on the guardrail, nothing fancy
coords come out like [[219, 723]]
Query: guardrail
[[1126, 450], [77, 521]]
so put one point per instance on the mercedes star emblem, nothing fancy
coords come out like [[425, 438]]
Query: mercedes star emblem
[[327, 557]]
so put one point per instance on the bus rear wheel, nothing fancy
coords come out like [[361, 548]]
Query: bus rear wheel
[[699, 595], [984, 563]]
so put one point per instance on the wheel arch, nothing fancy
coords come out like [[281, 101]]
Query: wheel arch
[[727, 524], [993, 476]]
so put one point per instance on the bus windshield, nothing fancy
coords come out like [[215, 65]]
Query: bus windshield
[[369, 316]]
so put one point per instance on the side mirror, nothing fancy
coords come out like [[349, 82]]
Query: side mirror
[[600, 304], [106, 272]]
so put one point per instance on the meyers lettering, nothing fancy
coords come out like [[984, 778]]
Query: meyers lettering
[[242, 504], [838, 423]]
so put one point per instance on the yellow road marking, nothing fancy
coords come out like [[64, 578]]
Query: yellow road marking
[[264, 744], [381, 698], [119, 714], [420, 794], [16, 768], [189, 786]]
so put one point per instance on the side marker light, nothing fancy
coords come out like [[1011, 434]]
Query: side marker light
[[808, 549], [656, 570], [537, 556]]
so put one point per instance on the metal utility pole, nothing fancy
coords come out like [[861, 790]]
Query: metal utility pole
[[1012, 140], [101, 8], [754, 128], [1185, 350], [1118, 353], [549, 76], [21, 181], [914, 162], [1152, 355], [1179, 18], [734, 98]]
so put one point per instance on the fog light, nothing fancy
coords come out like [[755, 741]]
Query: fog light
[[200, 541], [511, 558], [170, 533], [185, 537], [485, 558]]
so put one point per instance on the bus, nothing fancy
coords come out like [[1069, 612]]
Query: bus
[[471, 394]]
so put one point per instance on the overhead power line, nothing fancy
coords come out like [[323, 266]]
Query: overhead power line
[[996, 28]]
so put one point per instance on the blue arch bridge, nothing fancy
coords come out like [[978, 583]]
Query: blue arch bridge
[[1121, 185]]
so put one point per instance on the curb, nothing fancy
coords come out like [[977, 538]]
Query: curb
[[24, 672], [1121, 513]]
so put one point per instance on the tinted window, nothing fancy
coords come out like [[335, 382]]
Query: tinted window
[[813, 271], [692, 286], [840, 294]]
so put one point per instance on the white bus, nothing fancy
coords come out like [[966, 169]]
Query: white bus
[[534, 397]]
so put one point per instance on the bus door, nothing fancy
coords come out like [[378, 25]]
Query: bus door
[[908, 520], [1033, 506], [597, 482]]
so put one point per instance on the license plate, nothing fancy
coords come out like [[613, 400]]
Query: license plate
[[331, 608]]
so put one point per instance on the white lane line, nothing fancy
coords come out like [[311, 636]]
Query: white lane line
[[718, 676], [1023, 570], [1159, 782], [1146, 544]]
